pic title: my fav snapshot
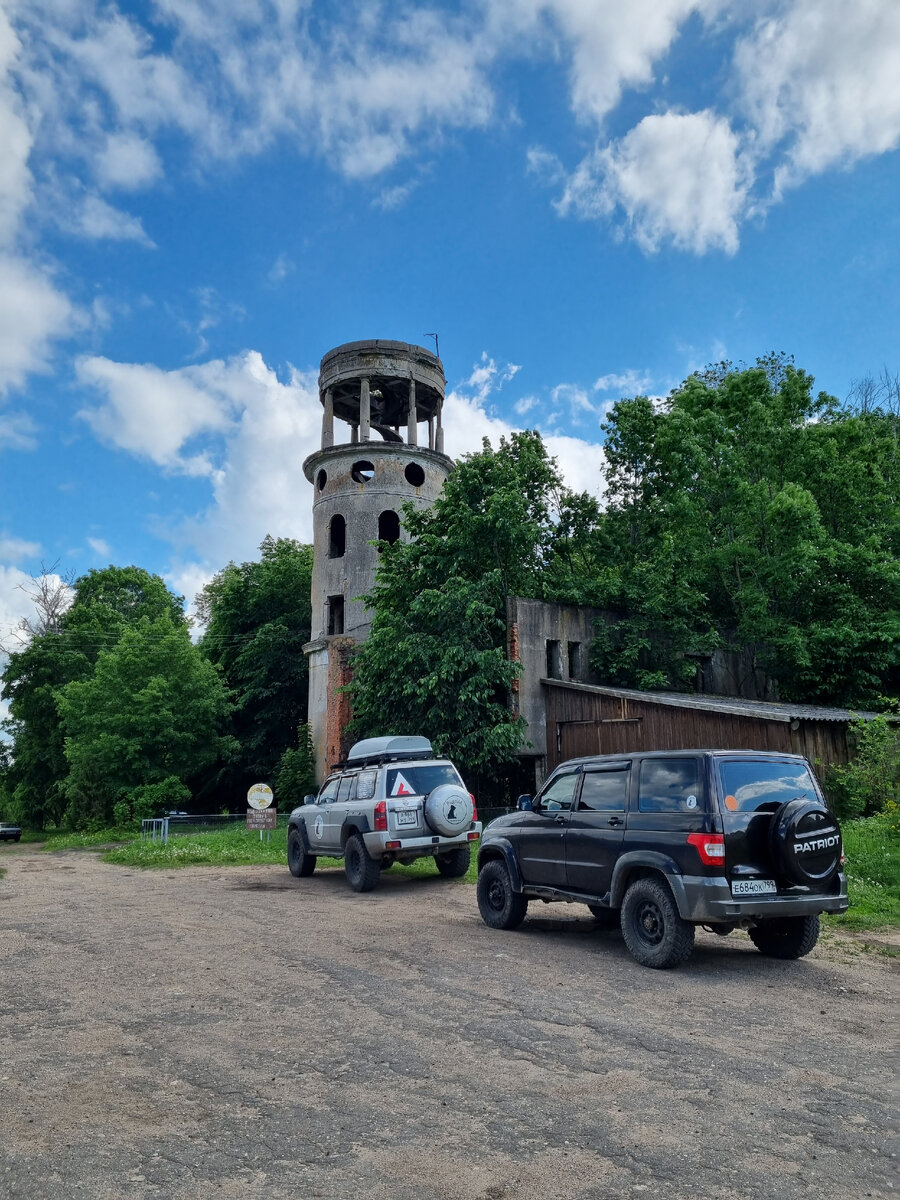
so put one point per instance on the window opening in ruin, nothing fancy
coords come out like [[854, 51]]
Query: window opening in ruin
[[321, 479], [362, 471], [388, 526], [574, 649], [415, 476], [337, 537], [335, 614], [554, 660]]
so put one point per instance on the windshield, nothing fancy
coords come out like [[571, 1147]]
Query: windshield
[[754, 786], [419, 780]]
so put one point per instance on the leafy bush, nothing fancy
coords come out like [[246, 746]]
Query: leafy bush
[[870, 782], [150, 800], [296, 774]]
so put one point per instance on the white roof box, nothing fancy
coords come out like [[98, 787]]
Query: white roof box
[[380, 749]]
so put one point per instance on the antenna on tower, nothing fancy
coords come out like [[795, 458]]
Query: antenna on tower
[[437, 353]]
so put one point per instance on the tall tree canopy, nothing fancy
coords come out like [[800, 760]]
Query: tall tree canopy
[[435, 662], [107, 605], [747, 512], [257, 618]]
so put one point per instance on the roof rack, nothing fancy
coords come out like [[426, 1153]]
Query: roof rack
[[375, 751]]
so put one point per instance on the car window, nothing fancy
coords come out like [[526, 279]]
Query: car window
[[419, 779], [329, 791], [670, 785], [559, 793], [345, 791], [604, 790], [365, 785], [753, 786]]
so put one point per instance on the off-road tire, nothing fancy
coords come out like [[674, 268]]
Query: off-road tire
[[786, 937], [300, 863], [653, 931], [499, 905], [362, 871], [606, 918], [455, 863]]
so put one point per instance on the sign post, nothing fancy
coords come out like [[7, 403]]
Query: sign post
[[260, 815]]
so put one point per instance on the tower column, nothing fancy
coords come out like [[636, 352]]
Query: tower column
[[439, 432], [328, 420], [364, 411], [412, 426]]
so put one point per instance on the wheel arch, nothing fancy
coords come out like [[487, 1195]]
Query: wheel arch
[[642, 865], [501, 850]]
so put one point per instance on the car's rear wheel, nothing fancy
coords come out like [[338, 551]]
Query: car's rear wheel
[[499, 905], [362, 871], [300, 863], [786, 937], [455, 863], [606, 918], [653, 931]]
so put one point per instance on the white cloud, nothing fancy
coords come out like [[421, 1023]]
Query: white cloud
[[628, 383], [92, 217], [17, 431], [280, 269], [127, 161], [156, 414], [32, 313], [100, 548], [677, 178], [819, 80], [14, 549]]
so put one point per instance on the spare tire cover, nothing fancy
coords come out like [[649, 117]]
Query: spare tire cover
[[448, 809], [806, 841]]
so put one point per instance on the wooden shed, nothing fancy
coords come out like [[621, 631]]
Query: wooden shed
[[585, 719]]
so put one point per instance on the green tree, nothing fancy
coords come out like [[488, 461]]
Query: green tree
[[296, 773], [152, 709], [257, 618], [435, 662], [62, 649], [746, 511]]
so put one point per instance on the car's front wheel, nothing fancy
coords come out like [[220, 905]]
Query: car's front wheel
[[455, 863], [300, 863], [653, 931], [499, 905], [786, 937], [361, 870]]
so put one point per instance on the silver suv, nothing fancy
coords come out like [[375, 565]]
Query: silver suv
[[392, 801]]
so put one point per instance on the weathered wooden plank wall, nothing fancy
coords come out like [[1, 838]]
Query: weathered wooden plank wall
[[581, 723]]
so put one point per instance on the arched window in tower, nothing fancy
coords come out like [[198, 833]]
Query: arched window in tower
[[337, 537], [388, 526]]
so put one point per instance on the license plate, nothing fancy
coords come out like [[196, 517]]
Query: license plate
[[407, 816], [753, 887]]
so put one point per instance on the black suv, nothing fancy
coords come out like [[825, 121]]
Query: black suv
[[664, 841]]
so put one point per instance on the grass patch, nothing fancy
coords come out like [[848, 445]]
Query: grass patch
[[872, 848], [86, 840], [232, 846]]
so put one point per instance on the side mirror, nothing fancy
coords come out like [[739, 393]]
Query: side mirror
[[310, 799], [524, 804]]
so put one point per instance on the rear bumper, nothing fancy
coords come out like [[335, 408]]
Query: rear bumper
[[708, 901], [376, 843]]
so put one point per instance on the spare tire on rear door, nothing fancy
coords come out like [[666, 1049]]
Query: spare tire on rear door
[[448, 810], [806, 842]]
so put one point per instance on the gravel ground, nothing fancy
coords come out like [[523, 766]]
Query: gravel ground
[[239, 1033]]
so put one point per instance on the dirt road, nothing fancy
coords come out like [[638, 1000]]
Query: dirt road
[[240, 1033]]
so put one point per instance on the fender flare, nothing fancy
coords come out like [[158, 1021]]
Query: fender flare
[[356, 824], [655, 862], [300, 826], [501, 848]]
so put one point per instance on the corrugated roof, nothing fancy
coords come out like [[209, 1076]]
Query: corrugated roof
[[765, 710]]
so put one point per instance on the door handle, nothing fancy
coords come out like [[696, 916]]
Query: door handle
[[615, 821], [560, 820]]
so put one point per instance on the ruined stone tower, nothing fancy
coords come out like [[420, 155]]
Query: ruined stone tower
[[389, 396]]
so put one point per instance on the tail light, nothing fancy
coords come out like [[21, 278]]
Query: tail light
[[381, 816], [710, 847], [474, 807]]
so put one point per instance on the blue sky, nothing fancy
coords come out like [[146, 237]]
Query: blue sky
[[586, 199]]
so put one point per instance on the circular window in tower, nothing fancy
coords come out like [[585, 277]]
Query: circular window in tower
[[362, 471], [321, 479], [414, 475]]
